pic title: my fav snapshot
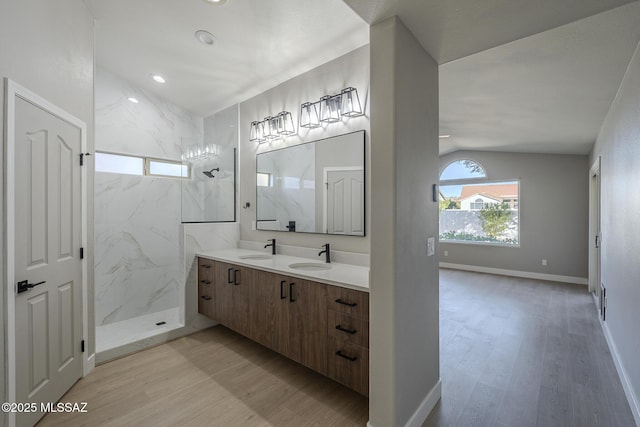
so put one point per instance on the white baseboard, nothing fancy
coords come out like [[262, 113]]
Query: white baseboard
[[634, 402], [426, 406], [517, 273]]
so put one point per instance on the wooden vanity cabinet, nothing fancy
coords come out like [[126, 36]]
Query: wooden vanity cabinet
[[232, 284], [289, 317], [323, 327]]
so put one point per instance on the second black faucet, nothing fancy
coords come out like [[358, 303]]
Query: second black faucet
[[272, 244], [326, 252]]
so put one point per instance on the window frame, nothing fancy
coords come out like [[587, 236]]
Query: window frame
[[484, 180], [111, 153], [146, 165]]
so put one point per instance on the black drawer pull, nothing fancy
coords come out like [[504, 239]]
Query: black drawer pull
[[349, 331], [291, 298], [206, 282], [206, 297], [205, 266], [349, 304], [236, 280], [282, 295], [229, 270], [349, 358]]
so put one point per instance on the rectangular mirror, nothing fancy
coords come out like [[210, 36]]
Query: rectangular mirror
[[317, 187]]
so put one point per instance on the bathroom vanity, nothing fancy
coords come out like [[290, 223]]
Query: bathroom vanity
[[314, 313]]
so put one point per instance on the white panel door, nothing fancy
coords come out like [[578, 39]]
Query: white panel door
[[345, 202], [48, 316]]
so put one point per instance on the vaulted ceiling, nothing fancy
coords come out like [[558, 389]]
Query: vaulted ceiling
[[515, 75]]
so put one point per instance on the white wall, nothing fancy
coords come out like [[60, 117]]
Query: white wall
[[553, 217], [405, 372], [48, 48], [351, 69], [618, 144], [139, 264]]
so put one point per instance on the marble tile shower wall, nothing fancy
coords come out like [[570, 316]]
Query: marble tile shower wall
[[139, 261], [212, 199]]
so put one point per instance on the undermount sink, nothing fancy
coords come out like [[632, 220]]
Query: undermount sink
[[255, 257], [310, 266]]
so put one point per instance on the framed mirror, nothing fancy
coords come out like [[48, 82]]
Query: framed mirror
[[317, 187]]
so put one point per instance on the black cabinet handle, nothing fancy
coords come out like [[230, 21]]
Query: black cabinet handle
[[236, 281], [349, 304], [282, 295], [205, 266], [229, 270], [206, 282], [291, 298], [206, 297], [349, 331], [349, 358]]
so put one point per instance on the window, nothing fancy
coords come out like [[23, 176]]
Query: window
[[476, 210], [477, 205], [264, 180], [135, 165], [117, 163], [168, 168]]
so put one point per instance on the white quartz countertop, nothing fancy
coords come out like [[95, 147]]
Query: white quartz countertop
[[344, 275]]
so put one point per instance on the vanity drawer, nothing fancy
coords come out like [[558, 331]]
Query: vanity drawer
[[343, 327], [206, 302], [348, 301], [348, 364], [205, 271]]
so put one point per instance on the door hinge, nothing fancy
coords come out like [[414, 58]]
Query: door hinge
[[81, 253], [82, 158], [82, 346]]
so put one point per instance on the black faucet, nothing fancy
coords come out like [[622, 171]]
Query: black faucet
[[326, 252], [273, 246]]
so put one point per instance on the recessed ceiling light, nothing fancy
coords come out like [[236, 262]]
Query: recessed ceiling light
[[444, 136], [132, 99], [158, 78], [205, 37], [215, 2]]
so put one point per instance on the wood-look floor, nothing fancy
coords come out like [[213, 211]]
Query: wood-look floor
[[514, 353], [517, 352], [212, 378]]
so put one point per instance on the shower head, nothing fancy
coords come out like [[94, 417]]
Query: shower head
[[210, 173]]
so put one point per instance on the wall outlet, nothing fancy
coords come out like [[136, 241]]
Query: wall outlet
[[446, 253], [431, 246], [544, 262]]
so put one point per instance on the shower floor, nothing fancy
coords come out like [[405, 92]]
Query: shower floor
[[138, 328]]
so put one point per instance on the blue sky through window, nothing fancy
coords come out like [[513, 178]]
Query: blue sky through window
[[462, 169]]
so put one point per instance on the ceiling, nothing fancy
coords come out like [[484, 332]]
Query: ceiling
[[547, 93], [259, 44], [453, 29], [515, 75]]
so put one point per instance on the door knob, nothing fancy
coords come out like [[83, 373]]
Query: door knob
[[24, 286]]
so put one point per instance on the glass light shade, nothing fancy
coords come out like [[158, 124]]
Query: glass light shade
[[309, 115], [253, 131], [270, 126], [285, 124], [256, 132], [330, 108], [350, 102]]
